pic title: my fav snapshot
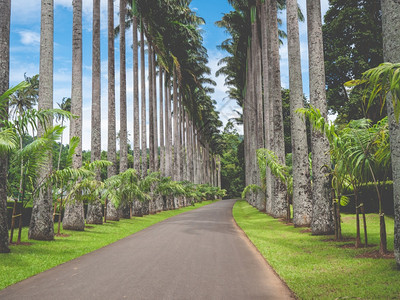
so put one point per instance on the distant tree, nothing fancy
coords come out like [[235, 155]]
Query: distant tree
[[352, 44]]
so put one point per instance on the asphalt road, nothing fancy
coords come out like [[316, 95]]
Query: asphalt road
[[200, 254]]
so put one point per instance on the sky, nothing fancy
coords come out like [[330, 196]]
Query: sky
[[25, 50]]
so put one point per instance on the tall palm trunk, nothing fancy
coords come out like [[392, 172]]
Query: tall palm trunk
[[176, 168], [391, 53], [5, 8], [168, 128], [267, 101], [151, 109], [302, 206], [41, 226], [125, 210], [258, 97], [143, 100], [94, 213], [279, 205], [162, 143], [136, 125], [322, 217], [112, 213], [74, 214], [155, 113], [123, 133]]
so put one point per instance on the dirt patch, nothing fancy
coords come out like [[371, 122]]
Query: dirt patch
[[308, 230], [89, 227], [62, 235], [21, 244], [375, 254]]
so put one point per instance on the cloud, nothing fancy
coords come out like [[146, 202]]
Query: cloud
[[29, 38]]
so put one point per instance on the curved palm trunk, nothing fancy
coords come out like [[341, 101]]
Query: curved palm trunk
[[5, 8], [41, 226], [302, 206], [112, 213], [74, 214], [322, 217], [94, 213], [279, 204], [391, 52]]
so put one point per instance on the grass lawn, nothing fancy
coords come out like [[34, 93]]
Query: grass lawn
[[315, 268], [26, 261]]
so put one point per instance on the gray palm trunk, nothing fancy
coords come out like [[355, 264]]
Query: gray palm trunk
[[41, 226], [136, 113], [279, 204], [302, 200], [94, 212], [143, 101], [176, 168], [155, 111], [247, 105], [136, 124], [391, 52], [124, 210], [112, 213], [5, 8], [151, 109], [162, 143], [168, 128], [267, 102], [260, 198], [123, 133], [74, 215], [322, 216]]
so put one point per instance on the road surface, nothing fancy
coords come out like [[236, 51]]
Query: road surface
[[200, 254]]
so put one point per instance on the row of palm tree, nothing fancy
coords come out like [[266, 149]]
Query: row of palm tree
[[185, 148], [254, 43]]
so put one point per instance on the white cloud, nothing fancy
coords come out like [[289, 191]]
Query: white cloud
[[29, 38]]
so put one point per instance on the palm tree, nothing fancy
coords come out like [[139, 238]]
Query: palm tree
[[391, 53], [94, 213], [112, 213], [5, 7], [41, 226], [74, 214], [155, 111], [302, 206], [322, 219]]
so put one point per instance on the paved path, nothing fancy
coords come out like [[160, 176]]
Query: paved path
[[200, 254]]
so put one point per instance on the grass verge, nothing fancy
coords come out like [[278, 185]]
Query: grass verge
[[25, 261], [315, 267]]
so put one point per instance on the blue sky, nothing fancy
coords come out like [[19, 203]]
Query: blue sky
[[24, 53]]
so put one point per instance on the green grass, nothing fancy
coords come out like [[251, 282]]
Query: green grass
[[26, 261], [314, 268]]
